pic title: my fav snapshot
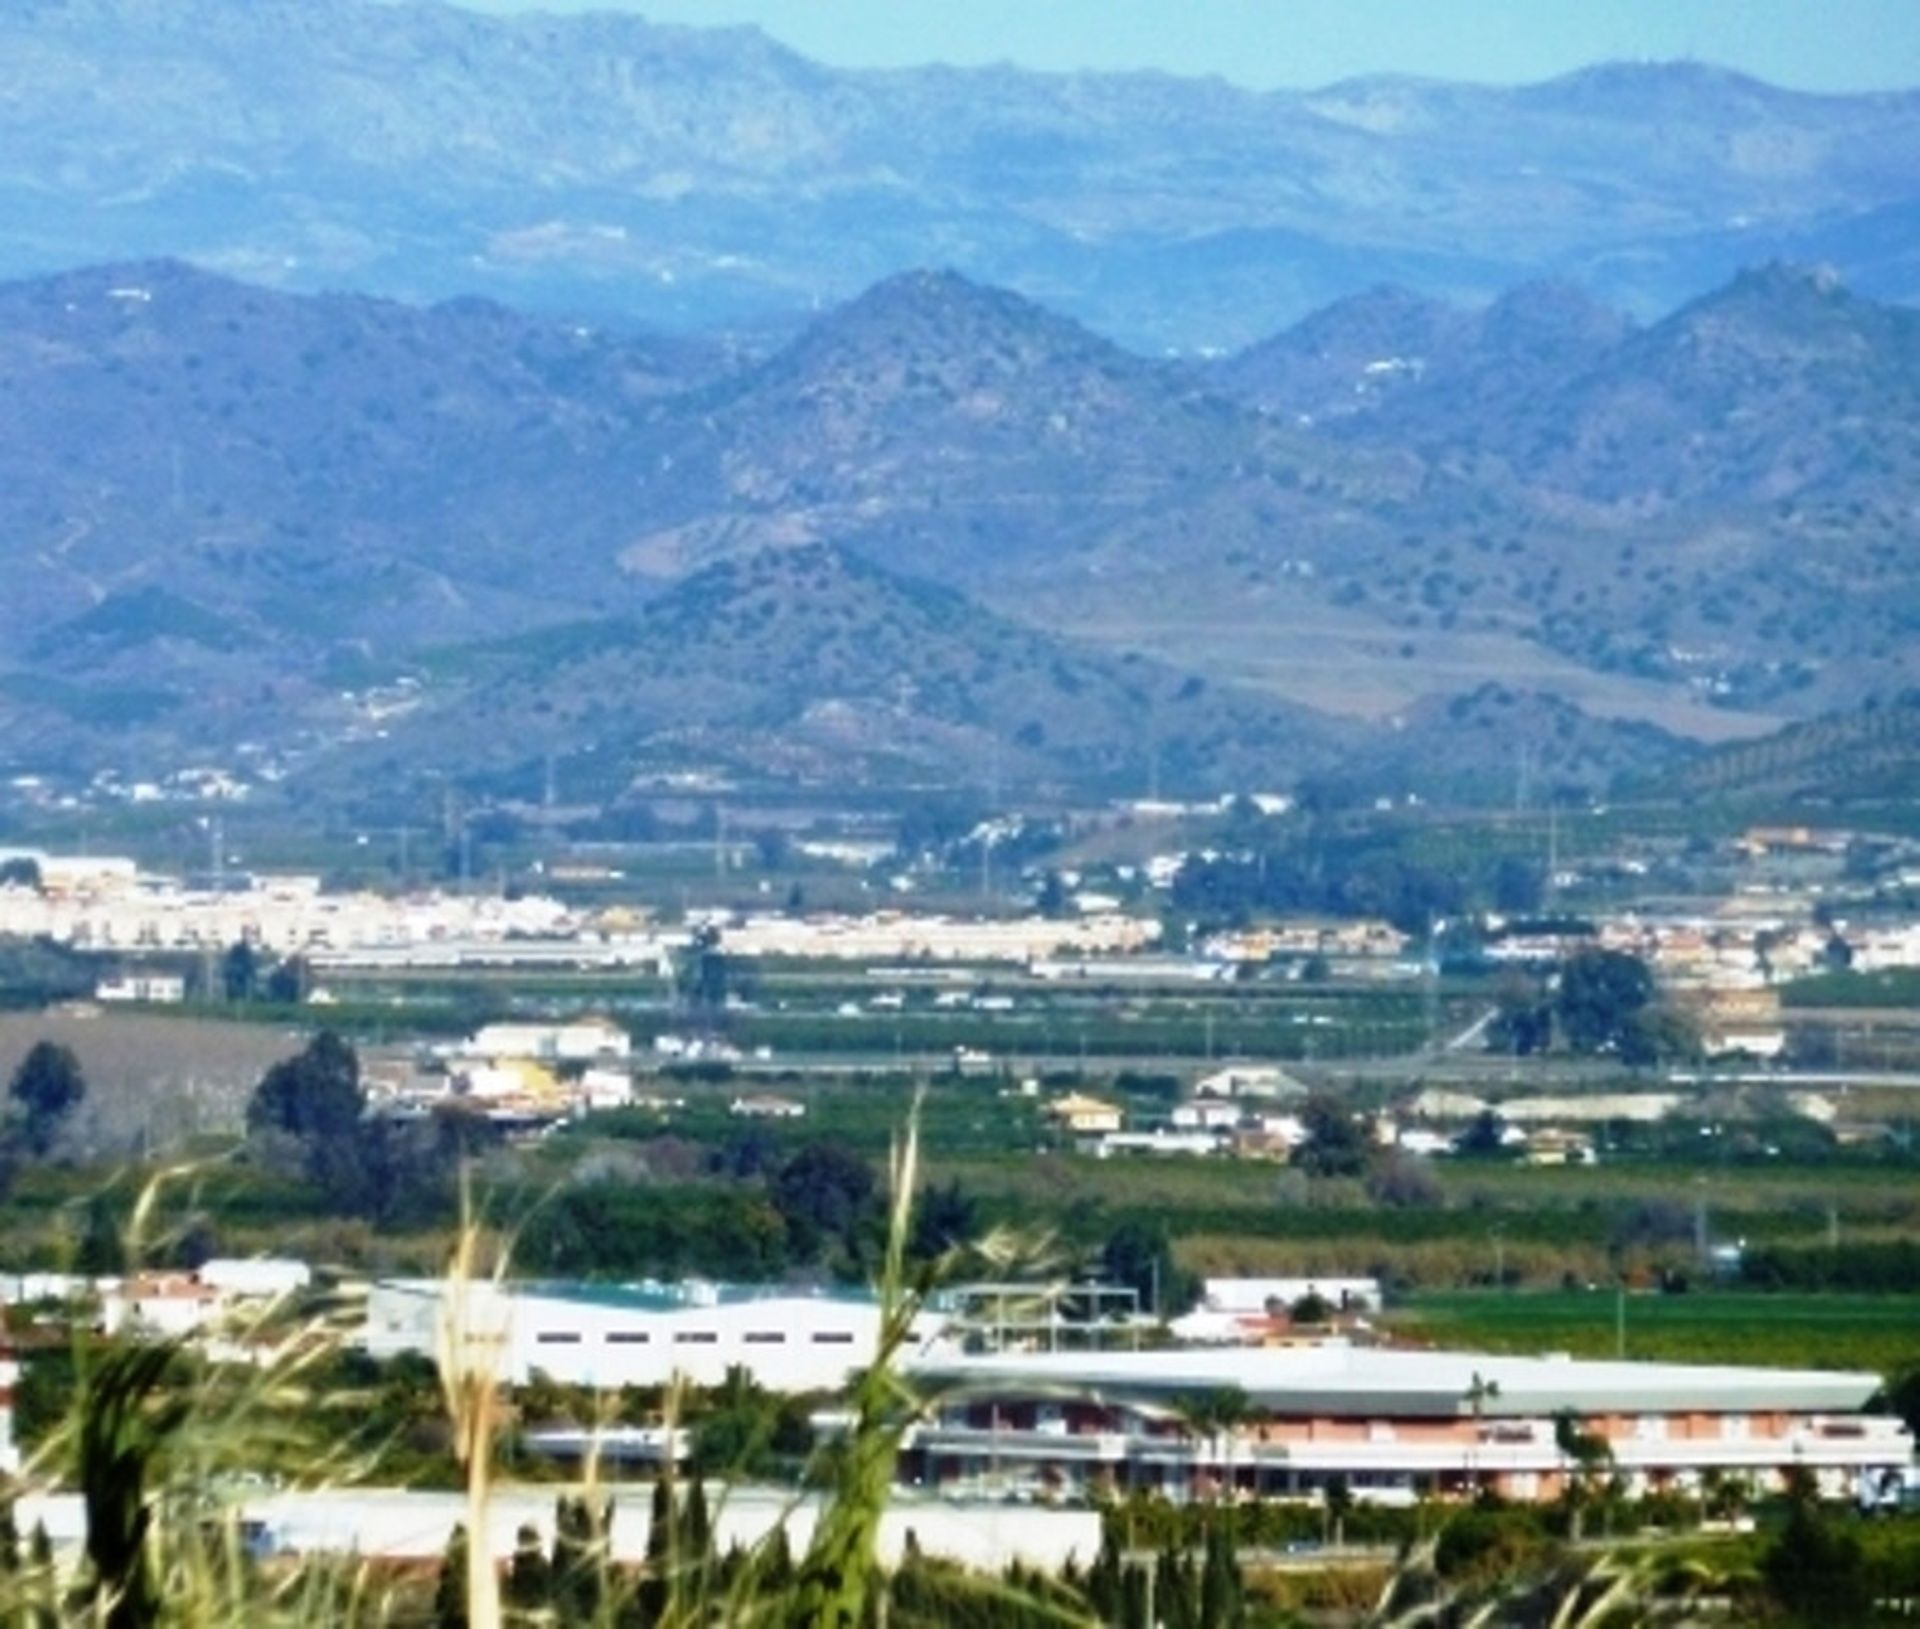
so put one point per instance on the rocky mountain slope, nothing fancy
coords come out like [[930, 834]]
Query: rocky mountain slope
[[228, 505], [807, 664], [597, 163]]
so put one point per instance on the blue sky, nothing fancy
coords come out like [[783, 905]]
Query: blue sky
[[1809, 44]]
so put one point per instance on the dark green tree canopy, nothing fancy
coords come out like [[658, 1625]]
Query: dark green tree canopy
[[316, 1093], [1336, 1143], [1602, 993], [48, 1086]]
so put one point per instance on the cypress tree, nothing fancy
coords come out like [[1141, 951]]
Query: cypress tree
[[450, 1588], [1105, 1579], [529, 1578], [1222, 1599], [44, 1614]]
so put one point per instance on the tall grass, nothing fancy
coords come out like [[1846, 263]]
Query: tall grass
[[154, 1433]]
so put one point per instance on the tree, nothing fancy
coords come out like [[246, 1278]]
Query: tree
[[1337, 1500], [1588, 1454], [1601, 993], [102, 1250], [287, 983], [529, 1589], [1660, 1033], [22, 871], [1051, 900], [1484, 1138], [1522, 1022], [314, 1094], [1222, 1591], [1335, 1144], [1139, 1254], [48, 1086], [1813, 1568], [945, 1219], [703, 971], [240, 971], [826, 1194], [1216, 1415], [450, 1587], [580, 1560]]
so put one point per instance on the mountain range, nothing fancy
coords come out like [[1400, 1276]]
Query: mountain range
[[233, 514], [603, 167]]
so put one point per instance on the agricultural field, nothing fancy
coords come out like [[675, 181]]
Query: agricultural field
[[1880, 1333]]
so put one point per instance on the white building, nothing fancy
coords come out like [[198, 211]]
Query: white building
[[263, 1278], [1390, 1425], [153, 989], [1250, 1295], [582, 1040], [607, 1336]]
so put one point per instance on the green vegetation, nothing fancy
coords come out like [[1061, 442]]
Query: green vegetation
[[1879, 1333], [1890, 987]]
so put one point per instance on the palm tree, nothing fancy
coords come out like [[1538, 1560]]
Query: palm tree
[[1337, 1498], [1214, 1415], [1588, 1453], [1479, 1394]]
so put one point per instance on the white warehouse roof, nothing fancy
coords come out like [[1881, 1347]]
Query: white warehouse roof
[[1336, 1379]]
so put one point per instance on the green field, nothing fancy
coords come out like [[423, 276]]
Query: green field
[[1880, 1333]]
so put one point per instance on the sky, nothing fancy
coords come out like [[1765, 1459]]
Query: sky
[[1822, 45]]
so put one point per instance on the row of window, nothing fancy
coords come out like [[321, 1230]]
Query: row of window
[[691, 1337]]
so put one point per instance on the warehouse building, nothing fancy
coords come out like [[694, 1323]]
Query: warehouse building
[[611, 1335]]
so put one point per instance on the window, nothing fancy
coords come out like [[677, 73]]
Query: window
[[558, 1337], [1651, 1427], [627, 1337], [832, 1337], [696, 1337], [1734, 1426], [764, 1337]]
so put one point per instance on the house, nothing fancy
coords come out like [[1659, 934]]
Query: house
[[1550, 1145], [1084, 1116], [1205, 1115], [1249, 1080], [581, 1040], [169, 1305], [602, 1088]]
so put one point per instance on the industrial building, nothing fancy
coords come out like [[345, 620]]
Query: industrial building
[[1389, 1425], [611, 1335]]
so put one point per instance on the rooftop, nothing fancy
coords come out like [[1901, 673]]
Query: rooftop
[[1334, 1379]]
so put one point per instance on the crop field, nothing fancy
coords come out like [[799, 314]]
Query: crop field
[[1880, 1333]]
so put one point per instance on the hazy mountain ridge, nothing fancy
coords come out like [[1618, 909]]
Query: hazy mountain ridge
[[227, 497], [600, 162]]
